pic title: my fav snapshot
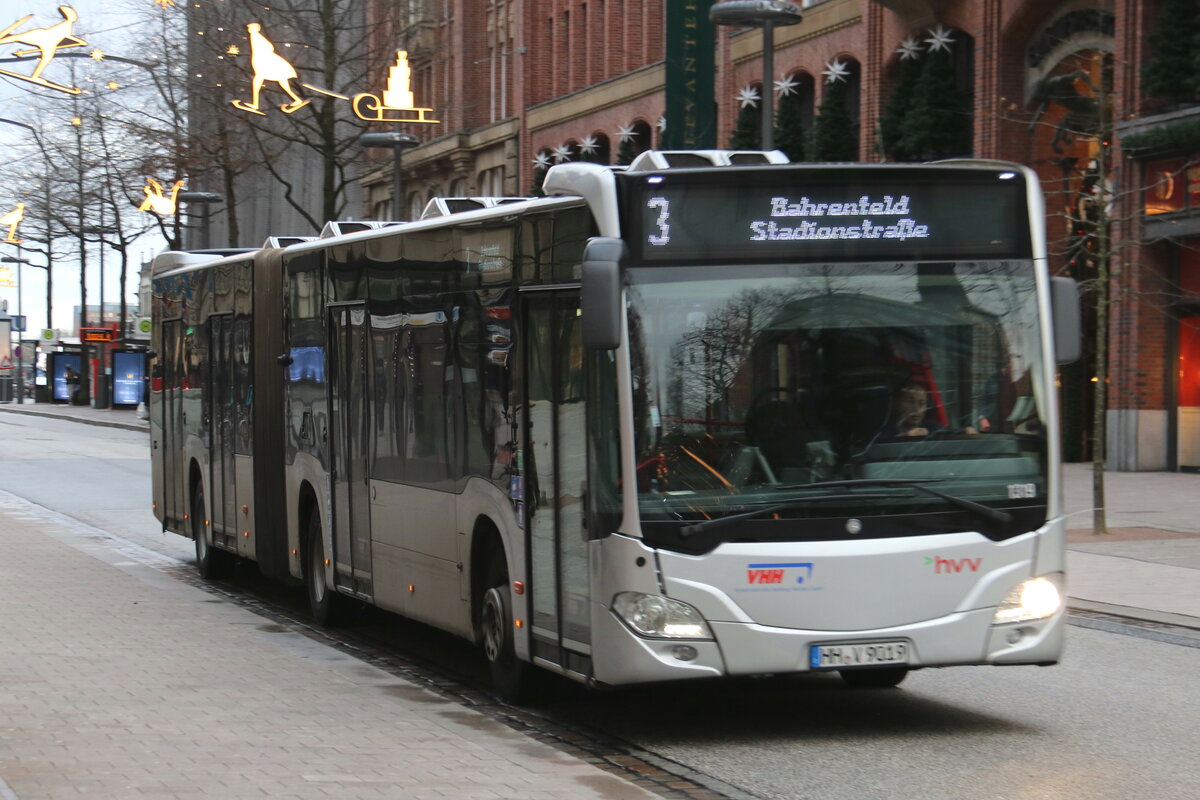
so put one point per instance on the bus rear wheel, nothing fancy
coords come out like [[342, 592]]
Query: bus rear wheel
[[873, 678], [324, 602], [211, 562], [512, 678]]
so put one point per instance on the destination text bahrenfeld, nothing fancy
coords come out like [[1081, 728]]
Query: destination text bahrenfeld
[[888, 206]]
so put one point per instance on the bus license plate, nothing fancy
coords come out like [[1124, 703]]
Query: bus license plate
[[857, 654]]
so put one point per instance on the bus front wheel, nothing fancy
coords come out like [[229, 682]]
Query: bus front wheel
[[511, 677], [873, 678]]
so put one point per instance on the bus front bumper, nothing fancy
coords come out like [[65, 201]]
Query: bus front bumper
[[743, 649]]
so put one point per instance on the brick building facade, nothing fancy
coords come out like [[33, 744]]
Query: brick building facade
[[1055, 85]]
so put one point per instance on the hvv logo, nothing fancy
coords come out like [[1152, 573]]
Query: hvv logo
[[951, 565], [777, 574]]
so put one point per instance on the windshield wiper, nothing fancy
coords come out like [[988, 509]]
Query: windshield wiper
[[994, 514], [720, 522]]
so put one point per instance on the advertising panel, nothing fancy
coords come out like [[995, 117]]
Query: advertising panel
[[128, 378]]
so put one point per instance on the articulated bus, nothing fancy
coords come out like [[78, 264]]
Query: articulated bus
[[709, 415]]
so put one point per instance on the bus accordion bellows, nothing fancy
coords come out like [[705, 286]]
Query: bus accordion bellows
[[708, 415]]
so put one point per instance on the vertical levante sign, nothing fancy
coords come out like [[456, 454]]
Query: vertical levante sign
[[690, 112]]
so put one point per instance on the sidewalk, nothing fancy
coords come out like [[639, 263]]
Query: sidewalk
[[118, 680], [1147, 566], [111, 417]]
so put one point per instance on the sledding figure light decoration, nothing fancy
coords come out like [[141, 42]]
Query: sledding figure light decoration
[[397, 97], [46, 42]]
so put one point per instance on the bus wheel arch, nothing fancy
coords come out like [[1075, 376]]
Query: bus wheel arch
[[324, 602], [211, 561]]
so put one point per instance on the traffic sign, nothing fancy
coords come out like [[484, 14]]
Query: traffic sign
[[48, 335], [144, 326]]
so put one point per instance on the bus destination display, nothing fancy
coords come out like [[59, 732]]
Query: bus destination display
[[696, 223]]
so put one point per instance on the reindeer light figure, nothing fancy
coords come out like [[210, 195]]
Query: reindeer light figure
[[158, 202]]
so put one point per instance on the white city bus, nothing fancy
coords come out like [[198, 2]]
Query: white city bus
[[710, 415]]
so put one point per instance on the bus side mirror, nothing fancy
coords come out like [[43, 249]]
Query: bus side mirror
[[1068, 329], [600, 294]]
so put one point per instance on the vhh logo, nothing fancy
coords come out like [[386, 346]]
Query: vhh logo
[[945, 566], [763, 574]]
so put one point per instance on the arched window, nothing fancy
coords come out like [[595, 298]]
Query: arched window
[[491, 182], [747, 128], [793, 123], [595, 148], [928, 113], [836, 128], [635, 138], [541, 162]]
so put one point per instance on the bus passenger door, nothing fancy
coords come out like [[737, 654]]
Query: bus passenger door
[[171, 406], [222, 408], [556, 473], [348, 340]]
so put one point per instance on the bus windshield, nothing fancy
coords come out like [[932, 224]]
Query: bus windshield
[[789, 394]]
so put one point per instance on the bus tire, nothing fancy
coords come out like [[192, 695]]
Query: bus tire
[[873, 678], [324, 602], [211, 562], [512, 678]]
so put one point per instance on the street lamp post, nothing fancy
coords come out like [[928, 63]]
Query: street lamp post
[[202, 199], [765, 14], [397, 142]]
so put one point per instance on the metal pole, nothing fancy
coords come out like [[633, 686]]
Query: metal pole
[[100, 241], [768, 90], [20, 351], [397, 197]]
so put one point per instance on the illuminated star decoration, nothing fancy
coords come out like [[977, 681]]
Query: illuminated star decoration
[[233, 50], [835, 70], [97, 54], [113, 85], [910, 48], [541, 161], [786, 86], [162, 3], [661, 124], [626, 133], [562, 153], [939, 39], [588, 145], [748, 96]]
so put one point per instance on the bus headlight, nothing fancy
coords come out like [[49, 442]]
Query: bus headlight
[[1036, 598], [660, 617]]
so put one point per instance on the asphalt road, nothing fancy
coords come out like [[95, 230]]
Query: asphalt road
[[1117, 719]]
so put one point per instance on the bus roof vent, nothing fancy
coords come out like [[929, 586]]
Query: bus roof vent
[[667, 159], [442, 206], [285, 241], [340, 227]]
